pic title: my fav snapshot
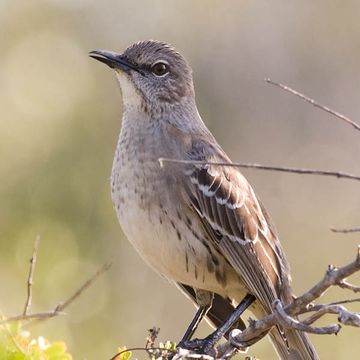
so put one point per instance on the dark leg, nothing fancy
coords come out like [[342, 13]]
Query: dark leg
[[213, 338], [206, 345], [201, 312]]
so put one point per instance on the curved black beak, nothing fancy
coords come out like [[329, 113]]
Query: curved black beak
[[114, 60]]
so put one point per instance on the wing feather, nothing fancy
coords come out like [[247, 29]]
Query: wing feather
[[239, 226]]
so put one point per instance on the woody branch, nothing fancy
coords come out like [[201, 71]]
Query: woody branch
[[288, 316], [61, 306]]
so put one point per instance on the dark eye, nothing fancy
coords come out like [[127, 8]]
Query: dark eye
[[160, 68]]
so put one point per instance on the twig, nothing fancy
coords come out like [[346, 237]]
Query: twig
[[131, 349], [345, 231], [30, 277], [284, 315], [58, 309], [35, 316], [313, 307], [289, 322], [344, 316], [345, 285], [332, 277], [314, 103], [150, 340], [338, 174], [82, 288], [347, 301]]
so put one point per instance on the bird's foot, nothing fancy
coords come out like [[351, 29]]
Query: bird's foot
[[204, 346]]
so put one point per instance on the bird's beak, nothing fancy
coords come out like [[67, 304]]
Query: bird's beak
[[114, 60]]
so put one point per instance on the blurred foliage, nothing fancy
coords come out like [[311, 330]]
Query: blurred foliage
[[60, 117], [123, 354], [164, 350], [17, 344]]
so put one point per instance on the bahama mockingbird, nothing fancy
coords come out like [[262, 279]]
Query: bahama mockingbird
[[200, 226]]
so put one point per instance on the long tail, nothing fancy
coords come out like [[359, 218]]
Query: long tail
[[298, 346]]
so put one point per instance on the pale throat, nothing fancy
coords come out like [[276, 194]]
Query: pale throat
[[131, 97]]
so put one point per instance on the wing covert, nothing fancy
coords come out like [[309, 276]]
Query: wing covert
[[237, 222]]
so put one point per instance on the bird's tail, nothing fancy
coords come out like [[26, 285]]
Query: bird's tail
[[296, 347]]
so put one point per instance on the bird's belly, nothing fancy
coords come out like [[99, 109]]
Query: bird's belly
[[152, 241], [167, 245]]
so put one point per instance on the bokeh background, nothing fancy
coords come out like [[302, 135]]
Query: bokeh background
[[60, 118]]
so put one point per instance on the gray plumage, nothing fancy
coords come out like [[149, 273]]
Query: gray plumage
[[201, 227]]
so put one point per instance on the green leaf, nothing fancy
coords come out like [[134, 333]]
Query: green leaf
[[16, 344]]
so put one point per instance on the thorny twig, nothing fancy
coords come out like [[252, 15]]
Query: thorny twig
[[83, 287], [60, 307], [345, 316], [328, 110], [338, 174], [314, 103], [303, 304], [345, 285], [30, 277], [346, 231]]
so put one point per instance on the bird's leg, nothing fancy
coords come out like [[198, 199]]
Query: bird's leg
[[199, 315], [205, 346], [204, 299], [213, 338]]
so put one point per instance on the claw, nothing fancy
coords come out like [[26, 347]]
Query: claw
[[204, 346]]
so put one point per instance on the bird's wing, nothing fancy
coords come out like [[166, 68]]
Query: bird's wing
[[240, 227]]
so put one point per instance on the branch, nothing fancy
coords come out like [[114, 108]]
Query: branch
[[83, 287], [345, 231], [345, 285], [338, 174], [287, 316], [58, 309], [290, 323], [347, 301], [30, 277], [345, 316], [314, 103]]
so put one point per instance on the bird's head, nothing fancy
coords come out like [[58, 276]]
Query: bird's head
[[150, 73]]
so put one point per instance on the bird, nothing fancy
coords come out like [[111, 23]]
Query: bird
[[199, 225]]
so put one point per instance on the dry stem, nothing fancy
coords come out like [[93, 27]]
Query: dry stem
[[314, 103], [60, 307], [30, 277], [303, 304], [338, 174], [288, 316], [346, 231]]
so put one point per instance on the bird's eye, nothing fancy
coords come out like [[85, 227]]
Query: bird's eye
[[160, 68]]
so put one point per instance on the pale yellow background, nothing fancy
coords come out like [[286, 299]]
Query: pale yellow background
[[60, 117]]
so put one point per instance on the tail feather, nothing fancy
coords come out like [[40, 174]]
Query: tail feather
[[297, 346]]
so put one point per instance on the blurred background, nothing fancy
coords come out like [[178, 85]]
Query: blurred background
[[60, 119]]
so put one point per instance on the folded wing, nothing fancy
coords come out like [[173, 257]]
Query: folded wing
[[240, 228]]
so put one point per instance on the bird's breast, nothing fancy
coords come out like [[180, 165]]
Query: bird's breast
[[167, 234]]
